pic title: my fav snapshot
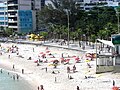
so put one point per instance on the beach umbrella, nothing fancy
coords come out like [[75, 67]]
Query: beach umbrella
[[62, 58], [77, 58], [36, 61], [67, 60], [41, 53], [73, 56], [47, 51]]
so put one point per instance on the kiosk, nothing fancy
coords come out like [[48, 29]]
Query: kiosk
[[105, 59]]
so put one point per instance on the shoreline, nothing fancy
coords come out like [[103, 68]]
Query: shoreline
[[8, 67], [32, 76]]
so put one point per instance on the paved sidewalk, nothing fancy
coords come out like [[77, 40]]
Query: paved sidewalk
[[72, 46]]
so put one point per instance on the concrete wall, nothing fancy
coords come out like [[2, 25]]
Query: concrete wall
[[117, 68], [102, 69]]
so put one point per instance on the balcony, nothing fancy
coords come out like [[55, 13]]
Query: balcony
[[12, 21], [13, 26], [4, 25], [12, 4], [3, 16], [12, 10], [3, 20], [12, 15]]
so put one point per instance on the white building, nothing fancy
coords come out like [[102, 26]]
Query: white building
[[3, 14], [88, 4]]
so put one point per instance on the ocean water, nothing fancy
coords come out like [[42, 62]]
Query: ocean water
[[8, 83]]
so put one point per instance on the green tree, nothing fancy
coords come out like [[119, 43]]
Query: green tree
[[7, 32], [44, 34]]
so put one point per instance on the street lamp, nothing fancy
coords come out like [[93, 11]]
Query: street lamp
[[117, 18], [68, 18]]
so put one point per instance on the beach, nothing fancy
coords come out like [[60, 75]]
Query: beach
[[38, 75]]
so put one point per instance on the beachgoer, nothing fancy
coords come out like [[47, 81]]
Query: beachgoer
[[68, 76], [89, 65], [74, 68], [86, 77], [68, 56], [55, 79], [38, 64], [68, 69], [13, 67], [22, 71], [53, 72], [46, 48], [8, 56], [38, 88], [113, 83], [46, 69], [1, 70], [62, 55], [17, 52], [78, 88], [0, 53], [33, 49], [17, 76], [13, 77], [29, 58], [71, 77], [41, 87], [46, 61]]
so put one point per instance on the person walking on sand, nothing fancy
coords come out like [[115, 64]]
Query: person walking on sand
[[46, 69], [33, 49], [41, 87], [78, 88], [68, 69], [62, 55], [74, 68], [13, 67], [113, 83], [38, 88], [46, 48], [9, 56]]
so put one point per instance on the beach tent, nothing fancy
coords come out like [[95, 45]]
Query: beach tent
[[109, 43], [77, 59]]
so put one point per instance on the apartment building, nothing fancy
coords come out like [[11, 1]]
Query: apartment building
[[20, 15], [88, 4], [3, 15]]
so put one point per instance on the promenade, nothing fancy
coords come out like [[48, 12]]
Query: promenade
[[72, 46]]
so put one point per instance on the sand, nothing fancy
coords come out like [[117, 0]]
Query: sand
[[37, 75]]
